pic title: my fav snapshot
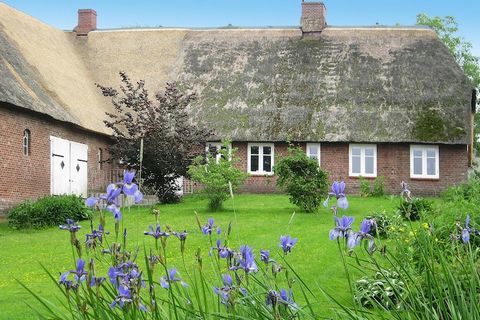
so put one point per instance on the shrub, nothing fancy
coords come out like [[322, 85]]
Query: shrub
[[383, 224], [48, 211], [219, 176], [302, 179], [364, 187], [383, 289], [379, 187], [413, 209]]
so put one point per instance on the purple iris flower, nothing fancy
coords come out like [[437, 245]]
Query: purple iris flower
[[208, 227], [70, 226], [79, 275], [468, 230], [265, 256], [342, 227], [91, 238], [272, 298], [245, 260], [286, 297], [405, 190], [356, 238], [338, 191], [172, 277], [129, 188], [223, 252], [96, 281], [226, 290], [287, 243], [157, 233], [124, 296], [182, 236], [138, 196]]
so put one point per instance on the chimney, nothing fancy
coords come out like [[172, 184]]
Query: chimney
[[87, 21], [313, 18]]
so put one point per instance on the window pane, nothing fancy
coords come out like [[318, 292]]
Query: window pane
[[431, 153], [254, 163], [417, 166], [417, 153], [356, 165], [313, 150], [313, 156], [267, 150], [369, 152], [431, 167], [267, 163], [254, 150], [356, 151], [369, 165]]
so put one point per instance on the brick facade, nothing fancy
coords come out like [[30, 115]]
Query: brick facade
[[28, 177], [393, 163]]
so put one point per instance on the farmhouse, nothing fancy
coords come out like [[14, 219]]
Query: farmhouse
[[363, 101]]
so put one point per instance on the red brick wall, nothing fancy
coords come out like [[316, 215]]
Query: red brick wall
[[28, 177], [393, 163]]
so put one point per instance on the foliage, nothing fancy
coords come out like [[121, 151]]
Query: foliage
[[218, 176], [379, 187], [170, 140], [47, 212], [383, 289], [302, 179], [365, 189], [416, 207], [383, 224]]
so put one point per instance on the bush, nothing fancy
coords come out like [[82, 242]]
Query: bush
[[382, 224], [302, 179], [217, 175], [47, 212], [384, 290], [379, 187], [364, 188], [413, 209]]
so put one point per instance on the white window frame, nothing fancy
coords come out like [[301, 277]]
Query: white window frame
[[424, 149], [318, 146], [362, 160], [26, 142], [260, 146], [218, 146]]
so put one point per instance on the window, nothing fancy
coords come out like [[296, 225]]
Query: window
[[260, 158], [424, 162], [363, 160], [100, 159], [213, 149], [313, 151], [26, 142]]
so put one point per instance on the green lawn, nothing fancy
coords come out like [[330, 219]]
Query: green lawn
[[260, 220]]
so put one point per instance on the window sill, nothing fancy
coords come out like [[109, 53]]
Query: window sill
[[261, 174], [434, 178], [360, 176]]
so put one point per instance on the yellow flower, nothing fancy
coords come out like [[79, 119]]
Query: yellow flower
[[425, 225]]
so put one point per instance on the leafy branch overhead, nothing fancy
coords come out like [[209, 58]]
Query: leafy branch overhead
[[171, 139]]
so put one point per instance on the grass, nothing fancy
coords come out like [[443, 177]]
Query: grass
[[259, 221]]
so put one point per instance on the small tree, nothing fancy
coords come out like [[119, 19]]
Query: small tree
[[302, 179], [170, 139], [219, 175]]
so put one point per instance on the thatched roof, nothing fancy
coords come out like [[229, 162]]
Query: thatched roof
[[353, 84]]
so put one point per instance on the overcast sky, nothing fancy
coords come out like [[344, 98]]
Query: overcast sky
[[212, 13]]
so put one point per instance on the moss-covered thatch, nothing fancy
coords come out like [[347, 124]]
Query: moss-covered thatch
[[352, 84]]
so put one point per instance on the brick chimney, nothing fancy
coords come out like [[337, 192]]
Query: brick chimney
[[313, 18], [87, 21]]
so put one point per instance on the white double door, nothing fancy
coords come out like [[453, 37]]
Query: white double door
[[69, 167]]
